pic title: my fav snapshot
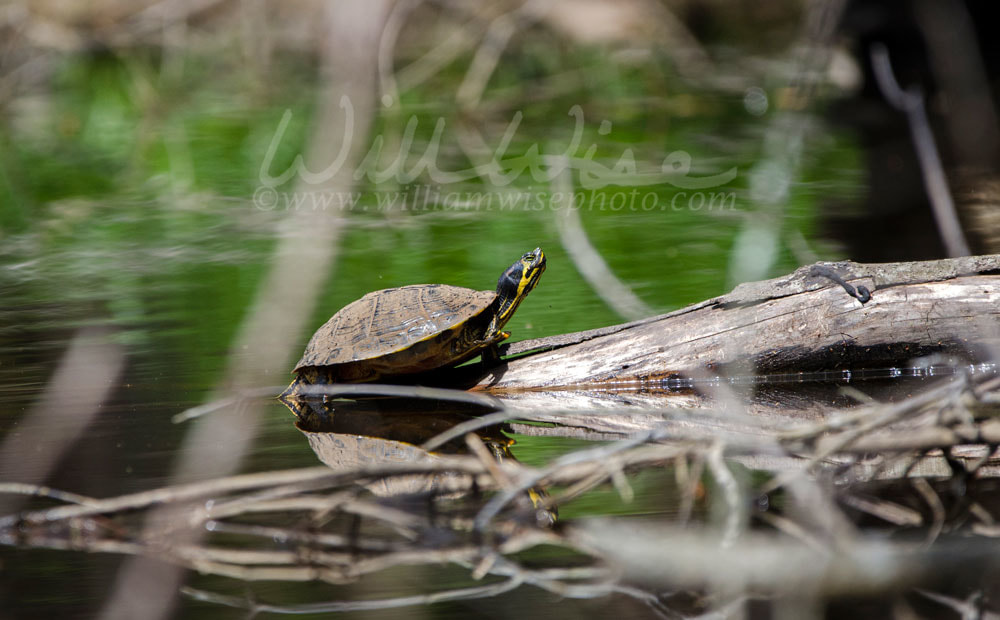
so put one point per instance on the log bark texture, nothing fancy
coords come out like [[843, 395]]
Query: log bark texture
[[800, 322]]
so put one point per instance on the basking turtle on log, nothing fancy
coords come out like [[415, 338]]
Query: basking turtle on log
[[413, 329]]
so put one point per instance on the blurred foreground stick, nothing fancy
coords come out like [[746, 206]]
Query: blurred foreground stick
[[800, 322]]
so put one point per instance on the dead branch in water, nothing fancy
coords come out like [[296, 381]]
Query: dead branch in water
[[802, 321]]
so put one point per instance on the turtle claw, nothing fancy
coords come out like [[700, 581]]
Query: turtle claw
[[491, 355]]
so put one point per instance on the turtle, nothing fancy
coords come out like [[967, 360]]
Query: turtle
[[402, 331]]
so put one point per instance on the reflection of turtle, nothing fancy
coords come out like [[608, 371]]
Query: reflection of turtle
[[413, 329], [372, 433]]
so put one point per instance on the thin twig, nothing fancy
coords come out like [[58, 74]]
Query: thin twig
[[420, 600], [937, 508], [911, 102], [735, 513], [585, 257]]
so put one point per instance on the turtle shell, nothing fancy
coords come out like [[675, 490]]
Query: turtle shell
[[404, 330]]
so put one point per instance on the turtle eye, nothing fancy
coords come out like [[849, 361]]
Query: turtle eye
[[533, 258]]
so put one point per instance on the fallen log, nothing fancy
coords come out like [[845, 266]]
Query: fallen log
[[801, 322]]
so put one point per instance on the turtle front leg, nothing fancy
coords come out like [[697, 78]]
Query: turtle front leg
[[491, 354]]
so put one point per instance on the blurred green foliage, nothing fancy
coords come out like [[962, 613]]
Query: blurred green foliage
[[127, 188]]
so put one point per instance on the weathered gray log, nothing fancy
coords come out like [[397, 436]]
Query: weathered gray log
[[799, 322]]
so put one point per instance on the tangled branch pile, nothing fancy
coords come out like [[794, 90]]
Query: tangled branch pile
[[875, 499]]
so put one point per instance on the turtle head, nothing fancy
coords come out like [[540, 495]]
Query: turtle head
[[515, 284]]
